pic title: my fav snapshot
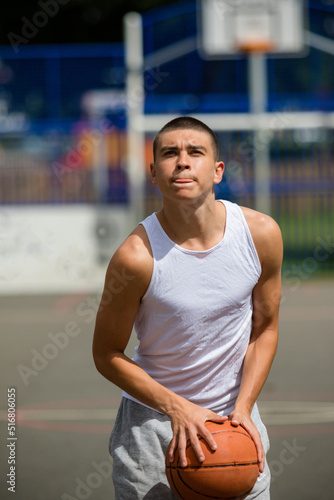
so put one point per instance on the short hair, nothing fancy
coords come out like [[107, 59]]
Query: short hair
[[187, 123]]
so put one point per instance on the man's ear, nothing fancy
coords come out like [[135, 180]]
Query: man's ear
[[219, 171], [153, 174]]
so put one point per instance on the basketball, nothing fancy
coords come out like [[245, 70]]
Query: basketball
[[230, 472]]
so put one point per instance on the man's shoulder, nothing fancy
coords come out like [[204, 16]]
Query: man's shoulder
[[135, 253], [266, 234], [260, 222]]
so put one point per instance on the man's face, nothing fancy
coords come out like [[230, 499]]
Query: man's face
[[185, 165]]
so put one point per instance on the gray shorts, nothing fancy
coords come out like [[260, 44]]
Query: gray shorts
[[138, 444]]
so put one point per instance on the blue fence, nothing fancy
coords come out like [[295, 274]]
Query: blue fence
[[48, 82]]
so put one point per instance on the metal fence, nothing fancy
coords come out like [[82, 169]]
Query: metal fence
[[88, 166], [84, 165]]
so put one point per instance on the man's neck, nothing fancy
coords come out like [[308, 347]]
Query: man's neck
[[194, 226]]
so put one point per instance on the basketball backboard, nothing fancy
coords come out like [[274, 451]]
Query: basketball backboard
[[230, 27]]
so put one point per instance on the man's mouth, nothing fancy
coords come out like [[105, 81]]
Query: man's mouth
[[183, 180]]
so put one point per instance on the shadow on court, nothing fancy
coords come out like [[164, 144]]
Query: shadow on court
[[65, 409]]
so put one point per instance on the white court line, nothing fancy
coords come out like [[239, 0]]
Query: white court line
[[272, 413], [307, 313], [36, 316], [296, 412], [97, 414]]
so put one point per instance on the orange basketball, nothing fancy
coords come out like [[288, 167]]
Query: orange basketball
[[230, 472]]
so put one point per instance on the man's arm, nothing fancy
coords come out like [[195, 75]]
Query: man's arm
[[263, 341], [115, 318]]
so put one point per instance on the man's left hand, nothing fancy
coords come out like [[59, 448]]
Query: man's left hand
[[239, 418]]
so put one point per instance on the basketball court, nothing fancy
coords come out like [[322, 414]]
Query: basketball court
[[65, 409]]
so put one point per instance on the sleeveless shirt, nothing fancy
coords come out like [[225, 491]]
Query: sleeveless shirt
[[194, 321]]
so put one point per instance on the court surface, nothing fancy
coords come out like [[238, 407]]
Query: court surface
[[65, 409]]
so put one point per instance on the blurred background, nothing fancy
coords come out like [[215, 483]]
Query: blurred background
[[64, 122], [81, 98]]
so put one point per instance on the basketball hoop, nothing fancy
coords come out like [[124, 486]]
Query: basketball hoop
[[273, 27], [256, 46]]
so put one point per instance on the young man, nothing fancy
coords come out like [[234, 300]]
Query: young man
[[203, 291]]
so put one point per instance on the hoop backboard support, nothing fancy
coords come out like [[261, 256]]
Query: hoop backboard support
[[228, 28]]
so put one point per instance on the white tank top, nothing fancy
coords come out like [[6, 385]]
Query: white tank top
[[195, 319]]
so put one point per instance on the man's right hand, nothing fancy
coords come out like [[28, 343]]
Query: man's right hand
[[188, 423]]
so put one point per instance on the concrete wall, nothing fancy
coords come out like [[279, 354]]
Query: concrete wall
[[56, 249]]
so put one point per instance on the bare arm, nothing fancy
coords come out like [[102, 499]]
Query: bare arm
[[115, 318], [263, 341]]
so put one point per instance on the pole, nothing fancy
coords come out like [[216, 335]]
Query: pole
[[258, 92], [135, 111]]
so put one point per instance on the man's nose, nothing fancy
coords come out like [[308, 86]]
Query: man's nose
[[183, 162]]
